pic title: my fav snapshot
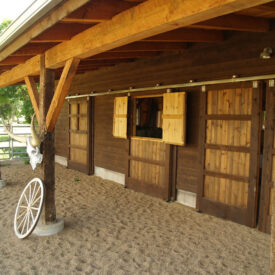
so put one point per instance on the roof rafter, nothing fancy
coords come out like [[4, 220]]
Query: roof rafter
[[132, 25], [235, 22], [60, 12]]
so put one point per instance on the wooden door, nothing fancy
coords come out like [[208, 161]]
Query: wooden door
[[268, 167], [80, 135], [148, 167], [230, 130]]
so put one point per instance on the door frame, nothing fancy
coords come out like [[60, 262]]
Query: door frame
[[89, 167], [246, 216], [268, 156]]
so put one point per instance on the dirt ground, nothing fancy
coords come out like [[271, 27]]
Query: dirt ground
[[112, 230]]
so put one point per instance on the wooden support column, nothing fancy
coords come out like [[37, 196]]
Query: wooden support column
[[272, 251], [47, 79]]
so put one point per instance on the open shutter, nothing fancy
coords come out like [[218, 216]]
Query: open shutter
[[120, 117], [174, 118]]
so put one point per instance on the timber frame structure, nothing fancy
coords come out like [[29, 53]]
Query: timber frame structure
[[208, 142]]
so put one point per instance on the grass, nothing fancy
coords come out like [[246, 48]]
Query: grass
[[17, 153]]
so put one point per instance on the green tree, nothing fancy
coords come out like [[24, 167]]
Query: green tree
[[14, 100], [5, 23]]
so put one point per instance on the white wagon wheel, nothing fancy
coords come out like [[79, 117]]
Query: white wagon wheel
[[29, 208]]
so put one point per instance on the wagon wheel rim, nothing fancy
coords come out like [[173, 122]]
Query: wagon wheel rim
[[29, 208]]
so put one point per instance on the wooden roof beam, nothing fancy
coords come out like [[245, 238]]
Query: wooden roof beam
[[98, 11], [33, 49], [122, 55], [61, 92], [188, 35], [235, 22], [140, 23], [16, 74], [266, 11], [110, 61], [15, 60], [145, 46], [34, 96], [49, 20], [60, 32], [147, 19]]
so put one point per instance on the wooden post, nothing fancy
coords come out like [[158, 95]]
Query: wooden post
[[272, 250], [47, 79]]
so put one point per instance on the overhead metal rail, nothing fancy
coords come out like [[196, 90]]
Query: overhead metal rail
[[234, 79]]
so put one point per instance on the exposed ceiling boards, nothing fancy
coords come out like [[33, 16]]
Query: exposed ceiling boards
[[256, 19]]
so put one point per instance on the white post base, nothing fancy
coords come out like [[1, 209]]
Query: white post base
[[49, 229], [2, 183]]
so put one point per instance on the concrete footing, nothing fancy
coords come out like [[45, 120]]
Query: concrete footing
[[2, 183], [49, 229]]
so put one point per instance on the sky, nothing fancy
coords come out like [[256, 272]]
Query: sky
[[11, 9]]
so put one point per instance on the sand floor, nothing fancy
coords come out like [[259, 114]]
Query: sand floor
[[112, 230]]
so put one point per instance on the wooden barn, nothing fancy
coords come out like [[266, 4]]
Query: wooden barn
[[172, 98]]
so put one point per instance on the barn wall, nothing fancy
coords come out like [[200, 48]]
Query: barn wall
[[109, 152], [61, 132], [239, 55]]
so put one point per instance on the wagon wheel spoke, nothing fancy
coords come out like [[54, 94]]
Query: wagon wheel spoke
[[29, 208], [30, 193], [26, 198], [23, 213], [29, 221], [36, 200], [22, 220], [34, 192], [26, 217], [32, 215]]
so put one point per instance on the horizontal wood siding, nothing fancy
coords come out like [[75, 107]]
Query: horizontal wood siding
[[109, 152], [61, 132], [239, 54]]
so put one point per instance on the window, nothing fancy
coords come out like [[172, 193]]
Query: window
[[148, 117], [156, 116]]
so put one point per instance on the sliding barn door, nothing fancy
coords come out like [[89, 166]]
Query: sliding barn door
[[230, 138], [148, 167], [80, 135], [268, 167]]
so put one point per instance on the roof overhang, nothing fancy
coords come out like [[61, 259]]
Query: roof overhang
[[114, 31], [28, 18]]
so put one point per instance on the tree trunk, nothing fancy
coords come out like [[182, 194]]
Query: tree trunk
[[47, 79]]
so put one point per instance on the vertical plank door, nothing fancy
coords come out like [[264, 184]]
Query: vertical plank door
[[148, 167], [268, 169], [230, 128], [80, 135]]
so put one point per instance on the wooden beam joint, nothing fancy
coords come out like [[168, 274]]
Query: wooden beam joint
[[61, 92], [33, 93]]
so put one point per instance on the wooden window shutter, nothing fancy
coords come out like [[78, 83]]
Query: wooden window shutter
[[120, 117], [174, 118]]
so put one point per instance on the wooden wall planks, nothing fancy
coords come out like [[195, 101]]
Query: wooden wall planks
[[238, 55], [110, 152], [61, 132]]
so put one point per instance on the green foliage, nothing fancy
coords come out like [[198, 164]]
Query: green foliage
[[5, 23], [15, 102]]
